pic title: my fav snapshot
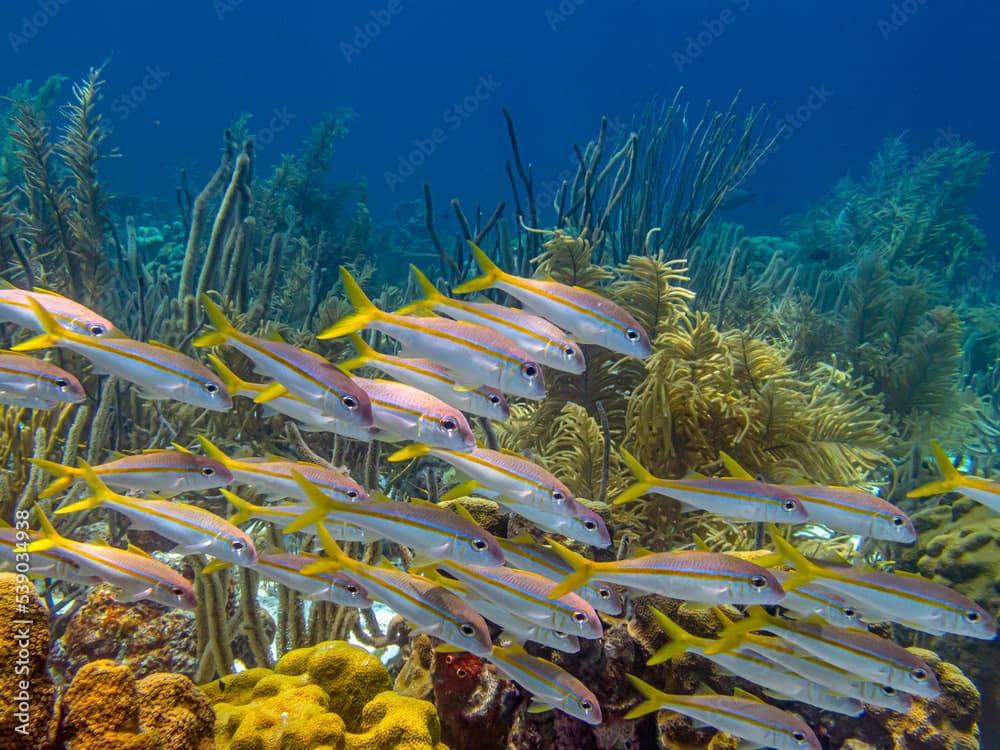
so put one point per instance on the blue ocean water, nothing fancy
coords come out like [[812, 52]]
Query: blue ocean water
[[428, 81]]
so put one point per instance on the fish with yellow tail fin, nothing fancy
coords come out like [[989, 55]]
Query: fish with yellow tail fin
[[984, 491], [281, 516], [844, 508], [274, 478], [434, 609], [547, 343], [551, 685], [871, 657], [431, 378], [910, 600], [426, 527], [476, 354], [15, 307], [586, 315], [308, 413], [132, 571], [33, 383], [165, 472], [745, 499], [776, 680], [193, 529], [743, 715], [159, 371], [704, 577], [297, 371]]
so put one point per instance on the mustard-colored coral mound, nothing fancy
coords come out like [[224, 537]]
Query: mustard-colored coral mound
[[332, 696]]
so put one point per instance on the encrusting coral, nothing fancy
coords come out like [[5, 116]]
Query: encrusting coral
[[331, 695]]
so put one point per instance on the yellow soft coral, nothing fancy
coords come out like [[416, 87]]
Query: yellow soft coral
[[331, 696]]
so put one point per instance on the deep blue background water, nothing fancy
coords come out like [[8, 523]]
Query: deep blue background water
[[928, 68]]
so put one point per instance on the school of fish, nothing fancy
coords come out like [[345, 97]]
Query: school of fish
[[457, 359]]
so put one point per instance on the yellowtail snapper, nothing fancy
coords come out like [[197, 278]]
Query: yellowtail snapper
[[165, 472], [476, 354], [16, 308], [294, 370], [159, 371], [33, 383], [435, 610], [547, 343], [742, 715], [284, 514], [132, 571], [984, 491], [432, 378], [587, 316], [425, 527], [704, 577]]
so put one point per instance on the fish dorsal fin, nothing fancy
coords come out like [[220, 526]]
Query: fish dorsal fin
[[138, 551], [181, 448], [276, 337], [704, 689], [523, 538], [464, 513], [161, 345], [214, 566], [734, 469], [701, 544], [741, 693]]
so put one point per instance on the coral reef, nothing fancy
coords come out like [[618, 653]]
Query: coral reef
[[106, 708], [328, 695]]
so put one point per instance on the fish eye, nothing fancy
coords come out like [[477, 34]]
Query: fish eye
[[888, 690], [238, 545], [897, 521], [972, 616], [461, 673], [604, 593], [448, 424], [177, 591], [467, 629], [790, 505], [96, 329], [631, 334], [494, 399], [352, 494], [569, 352], [919, 674], [350, 403], [758, 582], [211, 387], [480, 544], [798, 736], [529, 370], [351, 589], [580, 616], [849, 612], [558, 495], [62, 384], [208, 471], [586, 705], [589, 525]]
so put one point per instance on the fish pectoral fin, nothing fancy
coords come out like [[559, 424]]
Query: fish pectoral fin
[[192, 549], [538, 707], [134, 595]]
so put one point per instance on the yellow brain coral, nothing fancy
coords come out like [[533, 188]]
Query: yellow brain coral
[[331, 696]]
